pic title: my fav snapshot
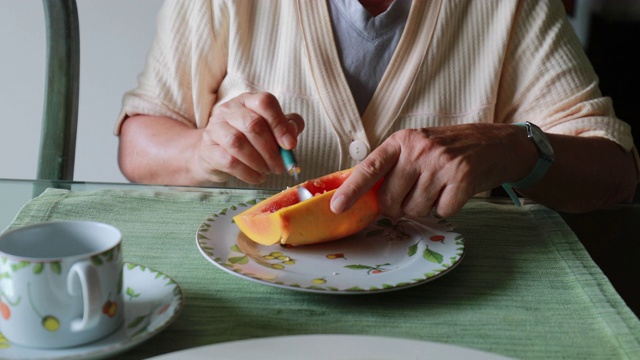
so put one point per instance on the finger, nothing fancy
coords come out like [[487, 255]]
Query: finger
[[281, 130], [451, 200], [397, 185], [220, 160], [364, 176], [255, 129], [296, 122], [267, 106], [419, 201], [238, 146]]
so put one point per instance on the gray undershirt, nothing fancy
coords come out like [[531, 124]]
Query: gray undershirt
[[366, 44]]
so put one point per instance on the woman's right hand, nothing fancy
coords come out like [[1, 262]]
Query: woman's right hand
[[243, 139]]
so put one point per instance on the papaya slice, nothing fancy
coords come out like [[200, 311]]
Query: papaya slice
[[283, 218]]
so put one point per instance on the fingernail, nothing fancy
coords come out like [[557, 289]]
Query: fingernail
[[338, 203], [294, 125], [288, 141]]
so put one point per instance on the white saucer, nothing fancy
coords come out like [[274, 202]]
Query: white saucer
[[317, 347], [152, 301]]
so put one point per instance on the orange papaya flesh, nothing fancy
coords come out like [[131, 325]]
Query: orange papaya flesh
[[283, 218]]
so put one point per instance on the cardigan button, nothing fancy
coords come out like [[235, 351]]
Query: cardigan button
[[358, 150]]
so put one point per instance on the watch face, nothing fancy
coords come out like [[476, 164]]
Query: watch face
[[541, 141]]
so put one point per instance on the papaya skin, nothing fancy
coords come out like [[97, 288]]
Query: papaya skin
[[283, 219]]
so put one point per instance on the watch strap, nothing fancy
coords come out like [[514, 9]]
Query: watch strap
[[541, 167], [536, 174]]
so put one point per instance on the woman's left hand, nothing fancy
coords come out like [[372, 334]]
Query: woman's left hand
[[438, 168]]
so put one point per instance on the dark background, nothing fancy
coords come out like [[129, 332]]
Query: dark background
[[614, 50]]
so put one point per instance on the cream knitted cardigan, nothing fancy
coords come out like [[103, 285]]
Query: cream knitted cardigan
[[491, 61]]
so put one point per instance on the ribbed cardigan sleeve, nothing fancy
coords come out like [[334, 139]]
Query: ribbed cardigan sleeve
[[547, 78], [186, 63]]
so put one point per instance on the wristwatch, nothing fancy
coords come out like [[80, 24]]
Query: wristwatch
[[545, 160]]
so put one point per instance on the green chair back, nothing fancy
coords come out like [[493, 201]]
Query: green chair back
[[60, 113]]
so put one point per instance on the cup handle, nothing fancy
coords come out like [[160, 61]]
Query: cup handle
[[91, 294]]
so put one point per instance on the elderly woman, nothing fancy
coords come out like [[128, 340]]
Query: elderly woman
[[442, 99]]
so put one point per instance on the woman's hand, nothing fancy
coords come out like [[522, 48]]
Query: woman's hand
[[243, 138], [438, 168], [441, 168]]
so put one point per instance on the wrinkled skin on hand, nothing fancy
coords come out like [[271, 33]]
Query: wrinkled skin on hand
[[438, 168], [242, 139]]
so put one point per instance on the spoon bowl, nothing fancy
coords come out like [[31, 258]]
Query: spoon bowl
[[304, 194]]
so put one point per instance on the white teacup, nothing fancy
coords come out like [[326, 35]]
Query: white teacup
[[60, 283]]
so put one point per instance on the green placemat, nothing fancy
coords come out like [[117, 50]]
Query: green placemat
[[526, 288]]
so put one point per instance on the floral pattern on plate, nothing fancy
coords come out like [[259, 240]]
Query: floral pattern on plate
[[385, 256]]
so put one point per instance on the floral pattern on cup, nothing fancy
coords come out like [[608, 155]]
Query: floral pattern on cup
[[50, 322], [152, 300]]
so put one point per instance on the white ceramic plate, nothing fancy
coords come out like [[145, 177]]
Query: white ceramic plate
[[385, 256], [317, 347], [152, 301]]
